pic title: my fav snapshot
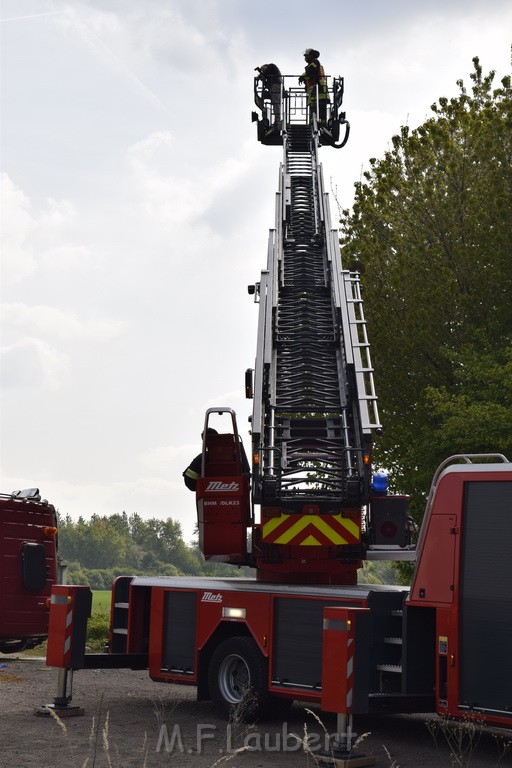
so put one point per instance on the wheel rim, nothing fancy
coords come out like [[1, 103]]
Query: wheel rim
[[234, 678]]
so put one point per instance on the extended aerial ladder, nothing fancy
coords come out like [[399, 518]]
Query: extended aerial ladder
[[315, 402], [315, 405]]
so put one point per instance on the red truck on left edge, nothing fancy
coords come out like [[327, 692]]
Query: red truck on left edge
[[28, 568]]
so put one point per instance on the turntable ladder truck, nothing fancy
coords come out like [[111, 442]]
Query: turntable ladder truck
[[303, 628]]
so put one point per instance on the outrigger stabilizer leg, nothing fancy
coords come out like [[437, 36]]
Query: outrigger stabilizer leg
[[61, 705], [70, 608], [343, 681]]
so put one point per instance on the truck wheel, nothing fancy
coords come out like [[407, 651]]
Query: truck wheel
[[238, 678], [13, 646]]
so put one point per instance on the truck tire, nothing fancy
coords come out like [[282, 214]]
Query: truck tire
[[238, 681], [13, 646], [237, 677]]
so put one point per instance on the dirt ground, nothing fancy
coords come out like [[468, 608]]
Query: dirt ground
[[131, 722]]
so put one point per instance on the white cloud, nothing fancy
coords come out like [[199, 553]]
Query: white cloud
[[167, 193], [163, 458], [31, 235], [32, 363], [185, 196], [52, 321], [66, 257], [17, 224]]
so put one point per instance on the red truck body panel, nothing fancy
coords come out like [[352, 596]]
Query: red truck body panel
[[464, 573], [189, 616]]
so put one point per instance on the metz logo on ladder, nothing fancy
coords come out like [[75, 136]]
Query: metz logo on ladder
[[216, 485]]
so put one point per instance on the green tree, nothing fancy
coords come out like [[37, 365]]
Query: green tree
[[102, 548], [431, 226], [477, 411]]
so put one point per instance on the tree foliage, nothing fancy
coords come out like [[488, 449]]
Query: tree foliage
[[102, 548], [431, 226]]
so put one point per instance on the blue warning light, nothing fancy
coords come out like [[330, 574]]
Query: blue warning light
[[380, 483]]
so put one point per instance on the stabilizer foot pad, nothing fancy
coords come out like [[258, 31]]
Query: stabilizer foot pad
[[46, 710]]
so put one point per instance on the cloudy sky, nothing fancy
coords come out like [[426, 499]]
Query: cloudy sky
[[136, 204]]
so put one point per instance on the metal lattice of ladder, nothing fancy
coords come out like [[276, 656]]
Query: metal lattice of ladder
[[315, 400]]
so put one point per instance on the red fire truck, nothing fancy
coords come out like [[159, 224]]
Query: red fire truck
[[304, 628], [28, 568], [442, 645]]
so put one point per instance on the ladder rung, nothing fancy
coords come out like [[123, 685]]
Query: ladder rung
[[291, 454], [395, 668]]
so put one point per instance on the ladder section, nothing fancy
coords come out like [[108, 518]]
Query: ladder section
[[307, 375], [361, 353], [309, 425], [314, 396]]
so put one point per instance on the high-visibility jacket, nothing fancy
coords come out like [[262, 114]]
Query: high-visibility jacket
[[314, 75], [193, 473]]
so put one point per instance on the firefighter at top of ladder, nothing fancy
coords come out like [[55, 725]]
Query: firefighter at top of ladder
[[316, 84]]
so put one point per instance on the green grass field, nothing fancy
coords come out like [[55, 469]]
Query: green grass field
[[97, 628], [101, 600]]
